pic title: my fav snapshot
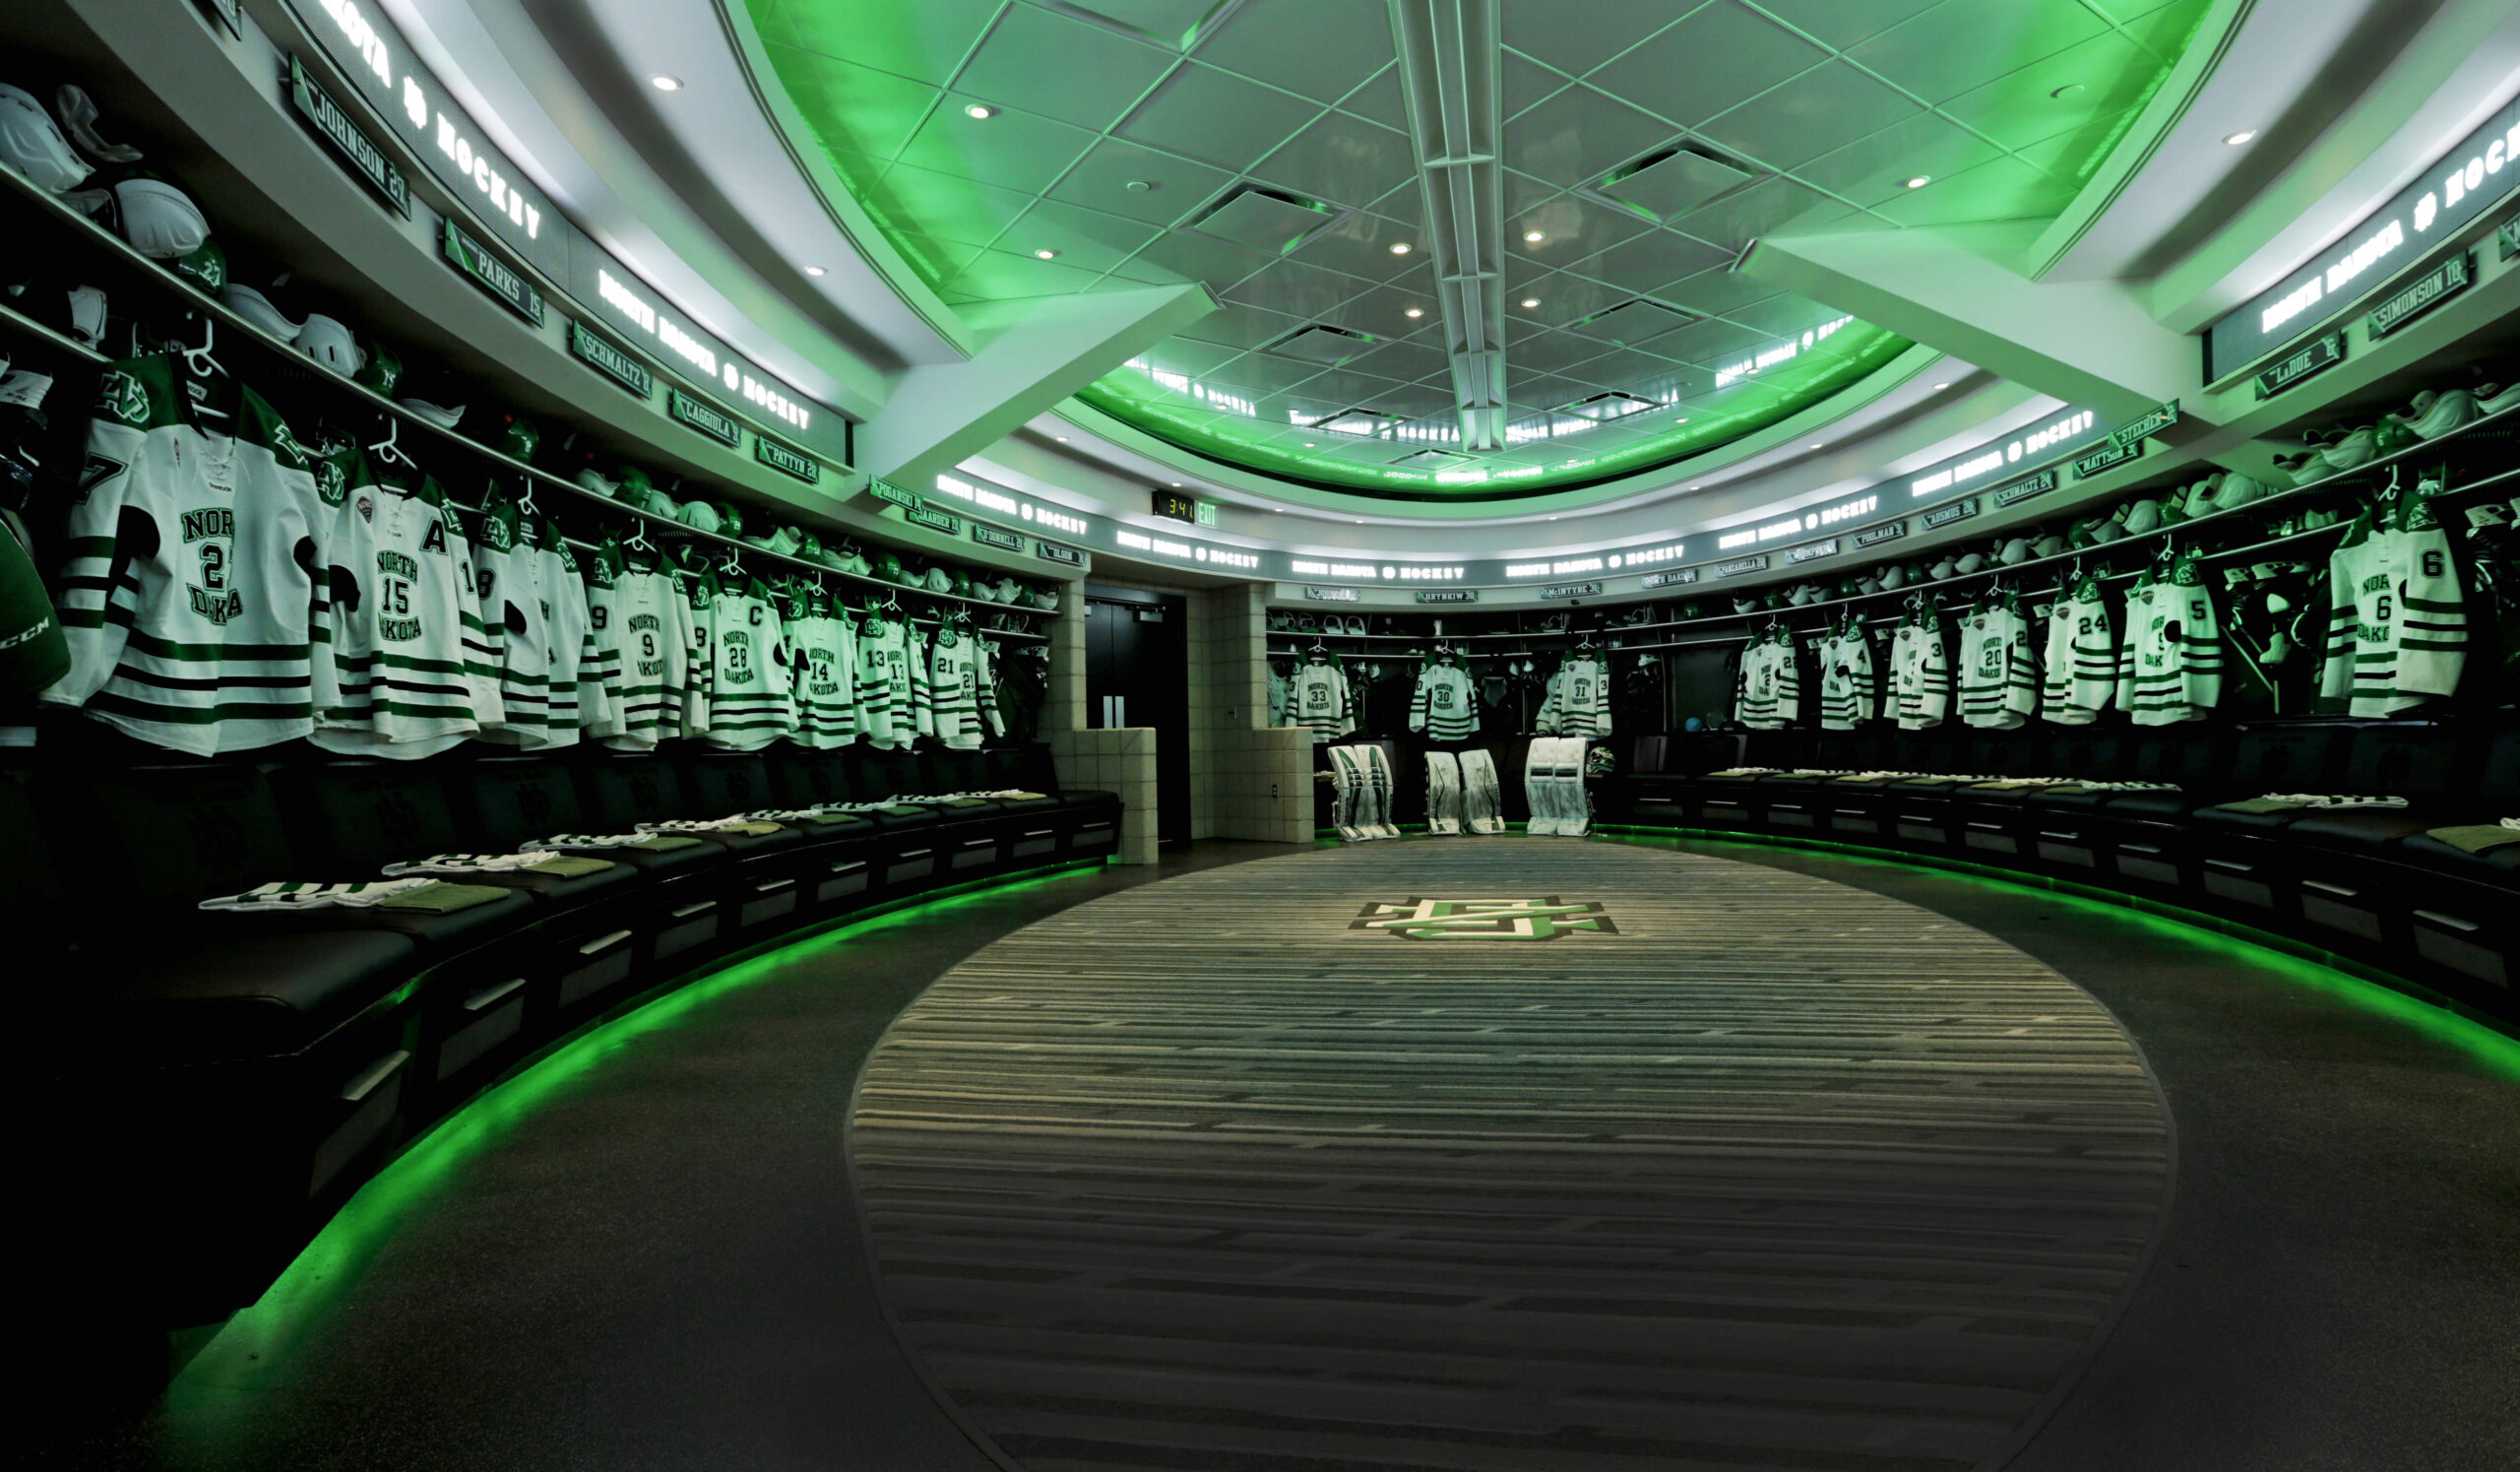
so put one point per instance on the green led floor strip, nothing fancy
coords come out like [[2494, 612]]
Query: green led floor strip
[[2488, 1039], [297, 1301]]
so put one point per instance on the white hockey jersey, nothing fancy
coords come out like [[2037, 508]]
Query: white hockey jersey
[[2081, 656], [1998, 681], [826, 682], [1280, 694], [414, 670], [570, 634], [751, 704], [1849, 690], [1770, 696], [883, 681], [697, 582], [1578, 703], [952, 680], [190, 592], [1445, 705], [992, 716], [507, 579], [1921, 673], [2397, 620], [642, 627], [1321, 700], [2171, 668]]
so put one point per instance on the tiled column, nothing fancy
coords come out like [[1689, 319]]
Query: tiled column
[[1118, 760]]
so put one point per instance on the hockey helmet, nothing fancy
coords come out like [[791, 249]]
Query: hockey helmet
[[888, 566], [2015, 552], [383, 368], [31, 141], [2447, 411], [937, 580], [2050, 546], [591, 478], [2143, 516], [1944, 568], [330, 343], [257, 307], [205, 267], [77, 114], [1892, 577], [161, 221], [701, 516]]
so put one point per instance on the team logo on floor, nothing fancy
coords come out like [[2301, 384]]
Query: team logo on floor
[[1544, 919]]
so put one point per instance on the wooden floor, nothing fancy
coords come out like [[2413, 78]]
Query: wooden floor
[[1776, 1174]]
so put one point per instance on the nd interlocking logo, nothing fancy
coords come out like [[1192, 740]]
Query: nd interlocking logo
[[1544, 919]]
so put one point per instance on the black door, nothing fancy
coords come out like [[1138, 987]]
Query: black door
[[1137, 673]]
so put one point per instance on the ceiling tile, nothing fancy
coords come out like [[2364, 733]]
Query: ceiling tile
[[1874, 169], [1962, 45], [1291, 287], [943, 206], [2167, 32], [1654, 256], [1167, 23], [1632, 323], [1102, 180], [1001, 275], [1061, 68], [1344, 159], [1185, 255], [1637, 371], [1577, 36], [1709, 345], [1223, 119], [1720, 56], [1762, 210], [1526, 83], [1321, 49], [1538, 391], [1083, 238], [1838, 23], [1716, 292], [1384, 312], [926, 42], [1578, 135], [854, 107], [1414, 400], [2003, 188], [1345, 386], [1783, 316], [1192, 358], [1240, 326], [1524, 192], [1570, 228], [1562, 296], [1260, 373], [1379, 101], [1359, 244], [1549, 351], [1012, 149], [2021, 108], [1407, 360], [1799, 120], [934, 260]]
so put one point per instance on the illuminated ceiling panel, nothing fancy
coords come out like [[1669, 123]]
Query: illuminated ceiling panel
[[1257, 146]]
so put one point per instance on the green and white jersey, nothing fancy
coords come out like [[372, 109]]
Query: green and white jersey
[[1998, 681], [506, 577], [751, 704], [884, 682], [189, 594], [2170, 669], [992, 715], [568, 631], [1919, 673], [954, 688], [1321, 700], [697, 582], [826, 680], [641, 623], [1581, 697], [2397, 619], [2081, 656], [1445, 705], [1757, 702], [1848, 686], [413, 670], [32, 651]]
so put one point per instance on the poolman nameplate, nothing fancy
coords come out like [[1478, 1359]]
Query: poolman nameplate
[[1875, 535]]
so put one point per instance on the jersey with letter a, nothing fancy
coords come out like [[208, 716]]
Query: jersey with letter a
[[1446, 704], [2170, 669], [2397, 622], [189, 594], [413, 669]]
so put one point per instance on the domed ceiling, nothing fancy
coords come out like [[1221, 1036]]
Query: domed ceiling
[[1016, 149]]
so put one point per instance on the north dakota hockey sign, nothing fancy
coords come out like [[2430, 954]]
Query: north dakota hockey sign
[[1544, 919]]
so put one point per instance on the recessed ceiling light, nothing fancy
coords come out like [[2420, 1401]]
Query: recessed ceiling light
[[816, 271], [2241, 136], [1552, 517], [1312, 444], [1062, 439], [1918, 181], [662, 83], [1815, 444], [1682, 421], [980, 110], [1176, 486], [1939, 387], [1534, 236], [1531, 302], [1697, 487], [1047, 255], [2070, 89], [1400, 248], [1414, 311]]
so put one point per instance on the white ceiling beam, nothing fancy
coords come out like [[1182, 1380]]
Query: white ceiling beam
[[1035, 352], [1452, 77], [2092, 344]]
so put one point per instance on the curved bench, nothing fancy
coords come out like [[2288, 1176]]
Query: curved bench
[[228, 1079], [2375, 886]]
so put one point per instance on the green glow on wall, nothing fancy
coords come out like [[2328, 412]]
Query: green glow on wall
[[214, 1390]]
